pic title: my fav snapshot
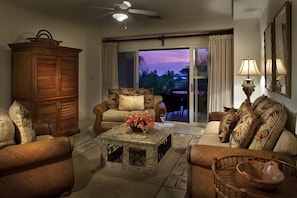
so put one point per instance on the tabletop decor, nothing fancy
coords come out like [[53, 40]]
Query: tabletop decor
[[139, 120]]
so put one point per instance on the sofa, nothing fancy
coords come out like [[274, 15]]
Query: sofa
[[264, 128], [33, 163], [124, 101]]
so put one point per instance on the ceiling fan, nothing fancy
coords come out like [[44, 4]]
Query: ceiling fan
[[120, 12]]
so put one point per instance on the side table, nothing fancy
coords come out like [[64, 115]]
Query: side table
[[227, 185]]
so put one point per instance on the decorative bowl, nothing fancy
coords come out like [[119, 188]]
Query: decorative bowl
[[260, 175]]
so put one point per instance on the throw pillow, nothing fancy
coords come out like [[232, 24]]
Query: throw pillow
[[227, 125], [112, 98], [244, 130], [129, 103], [6, 129], [244, 108], [22, 119], [273, 123], [263, 106], [258, 101]]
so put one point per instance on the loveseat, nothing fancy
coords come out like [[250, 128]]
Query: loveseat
[[33, 163], [124, 101], [264, 129]]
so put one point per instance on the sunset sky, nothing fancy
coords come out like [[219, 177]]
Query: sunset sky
[[164, 60]]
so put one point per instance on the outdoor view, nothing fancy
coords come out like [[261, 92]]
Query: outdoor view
[[164, 70]]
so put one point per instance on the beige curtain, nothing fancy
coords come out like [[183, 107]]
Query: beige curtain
[[109, 66], [220, 72]]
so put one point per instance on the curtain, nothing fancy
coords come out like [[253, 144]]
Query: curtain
[[109, 66], [220, 89]]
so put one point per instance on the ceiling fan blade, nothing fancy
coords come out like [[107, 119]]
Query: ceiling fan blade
[[103, 15], [144, 12], [103, 8]]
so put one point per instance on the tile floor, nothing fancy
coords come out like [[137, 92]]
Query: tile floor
[[176, 184]]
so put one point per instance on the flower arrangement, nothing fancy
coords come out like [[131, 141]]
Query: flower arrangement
[[139, 120]]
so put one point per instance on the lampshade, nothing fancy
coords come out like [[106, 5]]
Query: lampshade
[[280, 67], [248, 68], [120, 16]]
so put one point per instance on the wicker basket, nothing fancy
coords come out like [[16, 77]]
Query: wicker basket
[[227, 183]]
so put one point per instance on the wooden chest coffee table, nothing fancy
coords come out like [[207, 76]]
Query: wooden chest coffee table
[[122, 148]]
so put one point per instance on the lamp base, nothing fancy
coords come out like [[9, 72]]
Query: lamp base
[[248, 87]]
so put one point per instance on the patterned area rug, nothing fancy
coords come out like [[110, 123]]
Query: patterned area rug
[[171, 180]]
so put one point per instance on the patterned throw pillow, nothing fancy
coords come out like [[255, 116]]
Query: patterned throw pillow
[[244, 108], [258, 101], [22, 119], [244, 130], [273, 123], [6, 129], [264, 106], [227, 125], [112, 98]]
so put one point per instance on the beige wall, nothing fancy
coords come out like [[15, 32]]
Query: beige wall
[[18, 24]]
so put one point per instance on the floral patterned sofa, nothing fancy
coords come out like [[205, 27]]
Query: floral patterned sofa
[[124, 101], [264, 128]]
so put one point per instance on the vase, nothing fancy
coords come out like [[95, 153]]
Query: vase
[[135, 129]]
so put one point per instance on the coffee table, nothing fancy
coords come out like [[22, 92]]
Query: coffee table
[[122, 148]]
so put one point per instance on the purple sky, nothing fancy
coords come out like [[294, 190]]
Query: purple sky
[[164, 60]]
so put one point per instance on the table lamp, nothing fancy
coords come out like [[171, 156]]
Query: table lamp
[[248, 68]]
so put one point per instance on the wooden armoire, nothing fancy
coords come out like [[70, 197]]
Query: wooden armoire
[[44, 78]]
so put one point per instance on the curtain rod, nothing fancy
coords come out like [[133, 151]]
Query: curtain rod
[[163, 37]]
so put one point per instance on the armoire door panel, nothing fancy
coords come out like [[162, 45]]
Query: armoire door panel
[[46, 77], [69, 115], [69, 77], [47, 112]]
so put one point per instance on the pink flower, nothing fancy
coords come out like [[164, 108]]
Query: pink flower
[[140, 119]]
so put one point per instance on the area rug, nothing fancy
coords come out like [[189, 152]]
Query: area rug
[[93, 180]]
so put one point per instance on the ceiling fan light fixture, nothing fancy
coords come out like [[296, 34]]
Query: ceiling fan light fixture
[[120, 16], [125, 5]]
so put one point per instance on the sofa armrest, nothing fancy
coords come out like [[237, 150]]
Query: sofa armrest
[[21, 157], [98, 110], [204, 155], [216, 116], [42, 128]]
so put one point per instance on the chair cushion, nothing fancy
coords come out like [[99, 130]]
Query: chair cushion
[[22, 119], [129, 103], [212, 127], [6, 129]]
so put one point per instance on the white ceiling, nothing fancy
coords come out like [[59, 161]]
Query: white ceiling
[[79, 11]]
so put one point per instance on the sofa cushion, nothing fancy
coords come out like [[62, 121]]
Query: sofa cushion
[[22, 119], [129, 103], [211, 139], [244, 130], [227, 125], [287, 143], [212, 127], [6, 129], [273, 123], [114, 115]]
